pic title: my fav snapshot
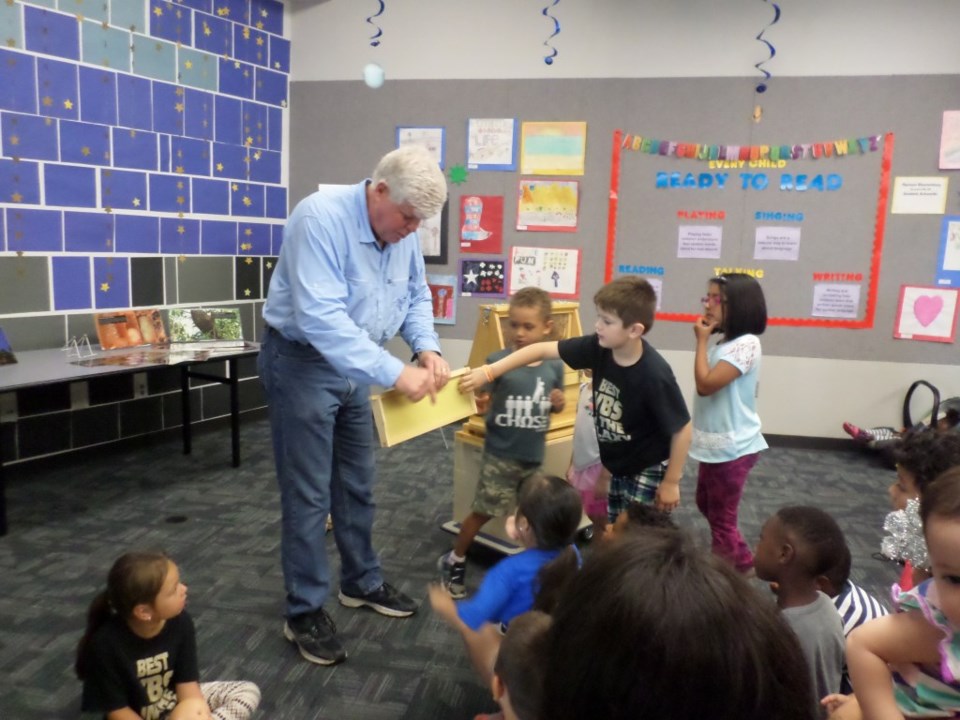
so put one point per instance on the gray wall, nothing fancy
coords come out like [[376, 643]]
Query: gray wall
[[340, 129]]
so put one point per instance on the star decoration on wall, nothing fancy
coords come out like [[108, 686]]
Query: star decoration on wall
[[85, 151], [248, 232], [16, 197], [219, 167], [458, 174], [104, 287], [249, 261], [181, 229], [269, 264], [136, 202], [247, 201], [246, 246], [47, 101], [246, 292]]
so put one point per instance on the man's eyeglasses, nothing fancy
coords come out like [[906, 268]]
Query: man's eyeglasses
[[712, 300]]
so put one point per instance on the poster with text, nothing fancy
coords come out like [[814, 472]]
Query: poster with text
[[699, 241], [485, 277], [948, 263], [443, 292], [548, 205], [919, 195], [777, 243], [431, 138], [492, 144], [926, 313], [481, 224], [556, 270], [553, 148], [836, 300]]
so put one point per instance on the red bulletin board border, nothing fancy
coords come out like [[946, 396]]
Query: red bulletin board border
[[879, 229]]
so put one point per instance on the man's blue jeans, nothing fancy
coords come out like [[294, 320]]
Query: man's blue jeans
[[323, 446]]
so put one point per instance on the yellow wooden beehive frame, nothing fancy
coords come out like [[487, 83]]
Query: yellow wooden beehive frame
[[398, 419]]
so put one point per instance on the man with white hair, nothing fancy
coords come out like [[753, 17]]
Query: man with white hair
[[349, 277]]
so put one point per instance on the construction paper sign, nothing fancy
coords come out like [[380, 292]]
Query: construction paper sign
[[926, 313], [481, 224], [777, 243], [919, 195]]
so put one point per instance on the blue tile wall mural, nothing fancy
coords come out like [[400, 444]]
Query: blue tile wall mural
[[118, 112], [137, 137]]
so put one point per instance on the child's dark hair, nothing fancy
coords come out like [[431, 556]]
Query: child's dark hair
[[653, 627], [942, 497], [552, 507], [819, 539], [135, 578], [521, 661], [630, 298], [745, 308], [925, 454], [533, 297], [838, 563], [642, 515]]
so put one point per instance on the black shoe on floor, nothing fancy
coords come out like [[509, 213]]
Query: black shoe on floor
[[315, 636], [386, 600]]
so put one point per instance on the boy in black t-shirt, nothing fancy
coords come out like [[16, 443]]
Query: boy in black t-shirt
[[642, 420]]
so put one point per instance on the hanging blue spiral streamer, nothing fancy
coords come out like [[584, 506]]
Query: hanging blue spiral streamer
[[375, 38], [762, 87], [556, 31]]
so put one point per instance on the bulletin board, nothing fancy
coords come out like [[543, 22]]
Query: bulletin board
[[838, 233]]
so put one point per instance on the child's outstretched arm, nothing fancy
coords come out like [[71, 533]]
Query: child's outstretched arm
[[478, 377], [902, 638], [668, 494], [482, 645]]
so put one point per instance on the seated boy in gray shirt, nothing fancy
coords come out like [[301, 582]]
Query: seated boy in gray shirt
[[795, 546]]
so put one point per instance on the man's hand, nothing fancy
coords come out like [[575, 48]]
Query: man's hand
[[416, 383], [436, 365], [557, 400]]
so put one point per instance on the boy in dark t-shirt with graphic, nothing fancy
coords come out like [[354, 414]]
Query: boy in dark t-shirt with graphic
[[517, 406], [642, 420]]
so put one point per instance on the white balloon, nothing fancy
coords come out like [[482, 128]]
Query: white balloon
[[373, 75]]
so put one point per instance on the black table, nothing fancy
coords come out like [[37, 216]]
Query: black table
[[49, 367]]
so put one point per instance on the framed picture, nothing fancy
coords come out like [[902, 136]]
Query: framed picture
[[431, 138], [485, 277], [443, 290], [433, 237]]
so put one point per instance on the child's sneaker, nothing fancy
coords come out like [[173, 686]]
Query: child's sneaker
[[453, 576]]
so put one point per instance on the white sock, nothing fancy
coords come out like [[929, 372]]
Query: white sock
[[452, 558]]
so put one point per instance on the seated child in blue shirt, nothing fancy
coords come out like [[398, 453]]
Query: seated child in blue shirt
[[546, 521]]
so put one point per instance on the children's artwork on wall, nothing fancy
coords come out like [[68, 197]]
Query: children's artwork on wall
[[553, 148], [950, 141], [481, 224], [431, 138], [556, 270], [548, 205], [483, 278], [948, 263], [442, 289], [492, 144], [6, 352], [927, 313], [433, 237]]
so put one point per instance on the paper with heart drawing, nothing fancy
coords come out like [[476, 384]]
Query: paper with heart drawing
[[926, 313]]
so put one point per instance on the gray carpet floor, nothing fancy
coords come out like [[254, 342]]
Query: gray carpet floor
[[69, 520]]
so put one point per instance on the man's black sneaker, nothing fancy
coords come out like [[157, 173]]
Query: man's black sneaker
[[316, 637], [453, 576], [386, 600]]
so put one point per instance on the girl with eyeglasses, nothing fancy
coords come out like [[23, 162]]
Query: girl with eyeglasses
[[726, 428]]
